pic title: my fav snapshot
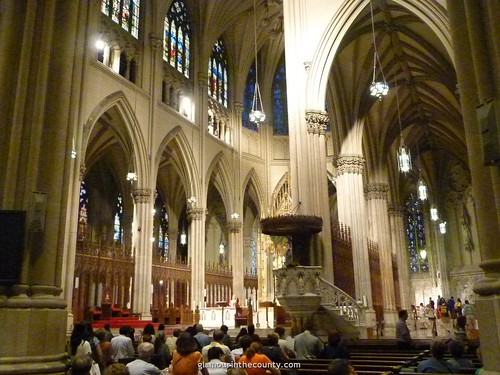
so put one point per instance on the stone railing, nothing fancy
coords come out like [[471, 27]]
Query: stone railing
[[335, 299]]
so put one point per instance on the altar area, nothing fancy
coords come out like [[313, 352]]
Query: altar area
[[214, 317]]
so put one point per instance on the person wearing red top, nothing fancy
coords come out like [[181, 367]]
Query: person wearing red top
[[256, 363]]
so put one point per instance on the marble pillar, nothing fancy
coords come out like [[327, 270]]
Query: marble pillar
[[236, 253], [196, 255], [376, 194]]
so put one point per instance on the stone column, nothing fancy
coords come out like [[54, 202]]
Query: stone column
[[377, 202], [352, 212], [398, 240], [236, 251], [317, 121], [173, 235], [475, 36], [142, 229], [196, 255]]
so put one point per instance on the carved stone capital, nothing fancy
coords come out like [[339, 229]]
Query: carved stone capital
[[196, 213], [396, 210], [83, 169], [156, 41], [173, 232], [239, 107], [316, 121], [203, 80], [377, 190], [350, 164], [234, 226], [141, 195]]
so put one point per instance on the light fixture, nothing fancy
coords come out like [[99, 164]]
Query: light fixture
[[423, 253], [192, 200], [221, 248], [131, 176], [403, 155], [442, 227], [99, 43], [235, 216], [380, 88], [73, 149], [183, 238], [257, 114], [422, 189], [434, 213]]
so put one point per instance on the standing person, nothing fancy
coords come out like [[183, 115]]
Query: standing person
[[458, 307], [450, 305], [403, 337], [470, 314], [431, 303], [121, 345], [307, 345]]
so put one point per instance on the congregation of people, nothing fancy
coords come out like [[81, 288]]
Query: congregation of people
[[195, 351]]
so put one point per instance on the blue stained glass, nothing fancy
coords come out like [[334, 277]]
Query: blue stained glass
[[177, 37], [123, 12], [248, 100], [415, 232], [218, 74], [118, 230], [280, 106]]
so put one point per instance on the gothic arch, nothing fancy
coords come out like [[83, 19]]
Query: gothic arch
[[253, 179], [220, 170], [130, 133], [187, 170], [335, 31]]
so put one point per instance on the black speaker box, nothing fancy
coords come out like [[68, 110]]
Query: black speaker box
[[12, 237]]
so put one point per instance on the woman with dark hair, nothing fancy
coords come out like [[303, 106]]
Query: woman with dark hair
[[256, 363], [161, 358], [149, 329], [243, 332], [187, 360], [334, 348]]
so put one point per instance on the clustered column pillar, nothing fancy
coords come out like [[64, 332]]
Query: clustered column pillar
[[352, 212], [143, 252], [377, 202], [396, 214], [317, 121], [236, 249], [475, 36], [196, 250]]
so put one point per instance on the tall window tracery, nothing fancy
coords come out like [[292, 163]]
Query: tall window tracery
[[248, 99], [176, 38], [160, 228], [82, 212], [217, 74], [415, 234], [124, 12], [280, 106], [117, 223]]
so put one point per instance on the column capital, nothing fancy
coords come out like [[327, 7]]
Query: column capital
[[396, 210], [316, 121], [196, 213], [377, 190], [239, 107], [203, 80], [141, 195], [156, 41], [173, 232], [234, 226], [350, 163]]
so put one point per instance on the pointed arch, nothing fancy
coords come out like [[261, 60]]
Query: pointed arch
[[253, 179], [281, 200], [188, 171], [130, 134], [430, 13], [219, 168]]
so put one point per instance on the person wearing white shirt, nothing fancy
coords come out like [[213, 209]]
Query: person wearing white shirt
[[218, 336], [216, 366], [121, 346], [141, 365]]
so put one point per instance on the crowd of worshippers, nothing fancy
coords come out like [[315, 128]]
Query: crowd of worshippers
[[193, 351]]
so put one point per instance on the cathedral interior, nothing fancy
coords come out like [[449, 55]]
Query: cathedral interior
[[144, 141]]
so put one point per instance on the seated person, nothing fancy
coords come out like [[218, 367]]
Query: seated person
[[457, 349], [272, 350], [116, 369], [81, 365], [141, 365], [341, 367], [436, 364], [334, 348]]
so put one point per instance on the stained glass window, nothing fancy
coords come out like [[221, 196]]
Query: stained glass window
[[217, 74], [124, 12], [160, 227], [82, 212], [255, 237], [176, 37], [117, 227], [280, 107], [415, 233], [248, 99]]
